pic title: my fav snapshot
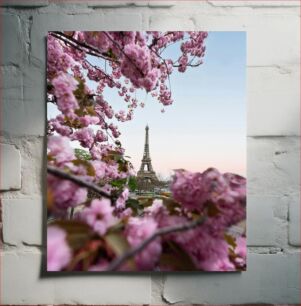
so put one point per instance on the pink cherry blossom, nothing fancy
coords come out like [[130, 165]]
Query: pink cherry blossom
[[65, 194], [57, 124], [137, 230], [64, 85], [98, 215], [136, 66], [85, 136], [241, 246], [58, 251], [59, 147], [88, 120], [120, 203], [57, 59]]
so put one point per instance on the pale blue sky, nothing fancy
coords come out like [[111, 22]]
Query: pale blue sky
[[206, 124]]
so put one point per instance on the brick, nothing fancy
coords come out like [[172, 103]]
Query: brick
[[273, 165], [139, 3], [238, 3], [22, 110], [294, 220], [157, 288], [263, 32], [22, 284], [10, 167], [273, 89], [24, 3], [268, 279], [263, 43], [34, 113], [160, 3], [11, 85], [123, 21], [27, 214], [11, 89], [206, 19], [113, 3], [33, 154], [165, 22], [12, 45], [260, 220]]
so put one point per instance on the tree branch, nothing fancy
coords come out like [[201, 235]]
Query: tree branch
[[79, 45], [99, 69], [165, 67], [189, 65], [115, 264], [79, 181], [122, 51]]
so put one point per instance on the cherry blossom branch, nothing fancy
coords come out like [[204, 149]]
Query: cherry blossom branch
[[100, 70], [121, 50], [119, 261], [189, 65], [165, 67], [79, 181], [79, 45]]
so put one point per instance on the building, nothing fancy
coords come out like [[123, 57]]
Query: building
[[146, 177]]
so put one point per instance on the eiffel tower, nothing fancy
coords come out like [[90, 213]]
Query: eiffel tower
[[146, 176]]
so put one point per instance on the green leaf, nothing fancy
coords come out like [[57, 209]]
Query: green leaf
[[112, 155], [82, 154], [122, 165], [176, 258], [145, 201], [80, 90], [116, 227], [119, 245], [91, 111], [78, 233], [230, 240], [135, 205], [118, 183], [172, 206], [89, 167], [132, 183], [212, 210], [117, 242]]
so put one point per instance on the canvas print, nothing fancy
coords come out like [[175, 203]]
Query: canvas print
[[146, 151]]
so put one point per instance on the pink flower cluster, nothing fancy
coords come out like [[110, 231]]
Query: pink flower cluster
[[57, 59], [58, 251], [196, 190], [221, 198], [120, 203], [85, 136], [98, 215], [64, 85], [58, 125], [65, 194], [138, 229], [59, 148], [136, 66], [98, 40]]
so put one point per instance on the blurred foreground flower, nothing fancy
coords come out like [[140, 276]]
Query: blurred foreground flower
[[58, 251]]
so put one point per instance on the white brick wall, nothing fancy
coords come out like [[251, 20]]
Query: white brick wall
[[10, 167], [269, 279], [22, 284], [273, 77]]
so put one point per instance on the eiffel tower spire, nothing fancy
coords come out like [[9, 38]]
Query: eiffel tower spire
[[146, 160], [146, 175]]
